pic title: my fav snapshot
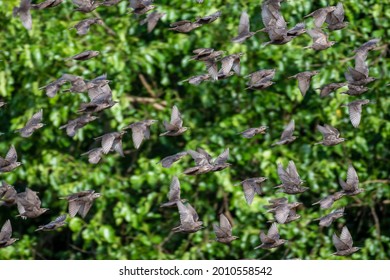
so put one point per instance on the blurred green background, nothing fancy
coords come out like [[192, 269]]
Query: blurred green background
[[146, 70]]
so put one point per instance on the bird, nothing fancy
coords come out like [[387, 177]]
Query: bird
[[102, 103], [2, 103], [152, 20], [204, 54], [328, 201], [184, 26], [354, 90], [169, 160], [175, 126], [74, 125], [320, 40], [368, 46], [244, 32], [46, 4], [208, 19], [304, 79], [223, 231], [84, 25], [287, 135], [53, 87], [251, 132], [198, 79], [29, 204], [291, 181], [231, 62], [355, 110], [112, 142], [5, 235], [335, 19], [260, 79], [53, 225], [251, 186], [10, 162], [86, 6], [351, 186], [329, 88], [327, 220], [23, 11], [85, 55], [331, 136], [32, 124], [189, 219], [285, 212], [271, 239], [8, 195], [140, 131], [94, 155], [344, 243], [321, 15], [276, 202], [174, 194], [81, 202], [205, 163], [141, 7], [109, 3]]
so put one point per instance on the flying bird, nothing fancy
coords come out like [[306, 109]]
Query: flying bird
[[8, 195], [321, 15], [260, 79], [223, 231], [81, 202], [169, 160], [33, 124], [231, 62], [304, 79], [351, 186], [287, 135], [10, 162], [23, 11], [140, 131], [320, 40], [285, 212], [344, 243], [46, 4], [271, 239], [85, 55], [141, 7], [244, 32], [83, 26], [174, 194], [184, 26], [335, 19], [208, 19], [152, 20], [29, 204], [74, 125], [291, 181], [331, 136], [53, 225], [327, 220], [175, 126], [5, 235], [355, 110], [329, 88], [252, 186], [86, 6], [189, 219], [251, 132], [112, 142], [328, 201], [94, 155]]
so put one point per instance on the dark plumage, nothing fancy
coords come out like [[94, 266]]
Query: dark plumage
[[33, 124], [94, 155], [53, 225], [175, 126], [29, 204], [328, 201], [351, 186], [321, 15], [46, 4], [335, 19], [260, 79], [81, 202], [287, 135], [223, 231], [140, 131], [331, 136], [5, 235], [86, 6], [329, 88], [169, 160], [141, 7], [250, 132], [83, 26], [174, 194], [8, 195], [109, 3], [198, 79], [320, 40], [271, 239], [244, 32], [291, 181], [112, 142], [354, 90], [344, 243], [208, 19], [231, 62], [10, 162], [85, 55], [252, 186], [304, 79], [327, 220], [74, 125], [285, 212], [23, 11], [152, 20], [184, 26], [189, 219], [355, 110]]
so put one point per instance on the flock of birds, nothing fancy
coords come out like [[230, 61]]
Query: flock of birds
[[100, 95]]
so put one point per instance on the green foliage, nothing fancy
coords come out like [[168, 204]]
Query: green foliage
[[126, 222]]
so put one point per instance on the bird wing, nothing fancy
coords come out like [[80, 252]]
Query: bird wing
[[346, 237], [199, 158], [281, 213], [185, 215], [292, 171], [352, 177], [220, 232], [355, 113], [225, 224], [174, 189], [338, 243], [107, 142], [35, 119], [222, 158], [6, 231], [74, 207], [249, 191], [288, 131], [303, 84], [273, 232], [137, 135], [11, 156], [176, 119], [227, 64], [243, 27]]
